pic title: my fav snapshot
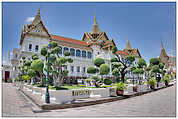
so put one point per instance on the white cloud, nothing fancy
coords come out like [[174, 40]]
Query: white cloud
[[29, 19]]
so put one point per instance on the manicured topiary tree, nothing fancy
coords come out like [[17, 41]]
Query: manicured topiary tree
[[104, 69], [157, 68], [57, 63], [99, 61], [91, 70], [141, 64], [138, 71], [125, 62]]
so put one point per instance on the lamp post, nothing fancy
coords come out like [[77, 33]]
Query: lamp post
[[47, 97]]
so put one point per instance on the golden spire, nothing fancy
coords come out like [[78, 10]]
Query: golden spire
[[95, 19], [38, 12], [37, 18], [95, 29], [128, 46], [162, 44]]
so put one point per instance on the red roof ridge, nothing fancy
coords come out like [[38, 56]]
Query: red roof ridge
[[66, 37], [57, 37], [122, 52]]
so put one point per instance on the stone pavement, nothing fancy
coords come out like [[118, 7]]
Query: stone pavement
[[159, 103], [14, 103]]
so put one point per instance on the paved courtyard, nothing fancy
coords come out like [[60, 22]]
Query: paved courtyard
[[159, 103]]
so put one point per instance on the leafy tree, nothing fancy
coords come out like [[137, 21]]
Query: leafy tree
[[138, 72], [32, 73], [141, 63], [99, 61], [104, 69], [154, 61], [157, 68], [38, 65], [125, 62], [57, 63]]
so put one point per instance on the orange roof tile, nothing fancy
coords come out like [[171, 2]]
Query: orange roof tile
[[121, 52], [69, 40]]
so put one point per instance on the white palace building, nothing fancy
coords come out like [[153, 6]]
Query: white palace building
[[93, 44]]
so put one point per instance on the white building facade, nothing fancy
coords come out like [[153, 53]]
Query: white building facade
[[83, 52]]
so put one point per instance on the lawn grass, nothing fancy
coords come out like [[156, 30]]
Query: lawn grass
[[67, 87]]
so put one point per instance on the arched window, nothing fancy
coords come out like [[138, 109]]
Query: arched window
[[60, 50], [89, 55], [65, 49], [30, 47], [84, 54], [78, 53], [72, 51], [36, 48]]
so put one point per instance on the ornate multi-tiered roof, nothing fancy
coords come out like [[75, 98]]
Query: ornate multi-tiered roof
[[131, 51], [163, 56], [95, 37]]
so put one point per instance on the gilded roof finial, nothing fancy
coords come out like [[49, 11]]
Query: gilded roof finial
[[95, 19], [128, 46], [162, 44], [38, 11]]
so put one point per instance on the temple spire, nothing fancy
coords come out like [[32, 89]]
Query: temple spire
[[95, 29], [162, 46], [37, 18], [128, 46], [38, 12], [95, 19]]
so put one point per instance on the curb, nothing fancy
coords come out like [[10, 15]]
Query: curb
[[88, 103]]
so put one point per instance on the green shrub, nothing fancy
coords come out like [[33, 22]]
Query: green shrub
[[26, 77], [96, 78], [174, 75], [87, 80], [107, 81], [152, 82], [57, 88], [120, 86], [166, 78]]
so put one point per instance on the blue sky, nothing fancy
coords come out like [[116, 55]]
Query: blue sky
[[144, 23]]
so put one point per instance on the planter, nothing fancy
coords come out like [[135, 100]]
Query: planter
[[152, 87], [135, 88], [120, 92]]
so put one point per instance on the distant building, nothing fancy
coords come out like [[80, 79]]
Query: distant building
[[6, 69], [131, 51], [169, 61]]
